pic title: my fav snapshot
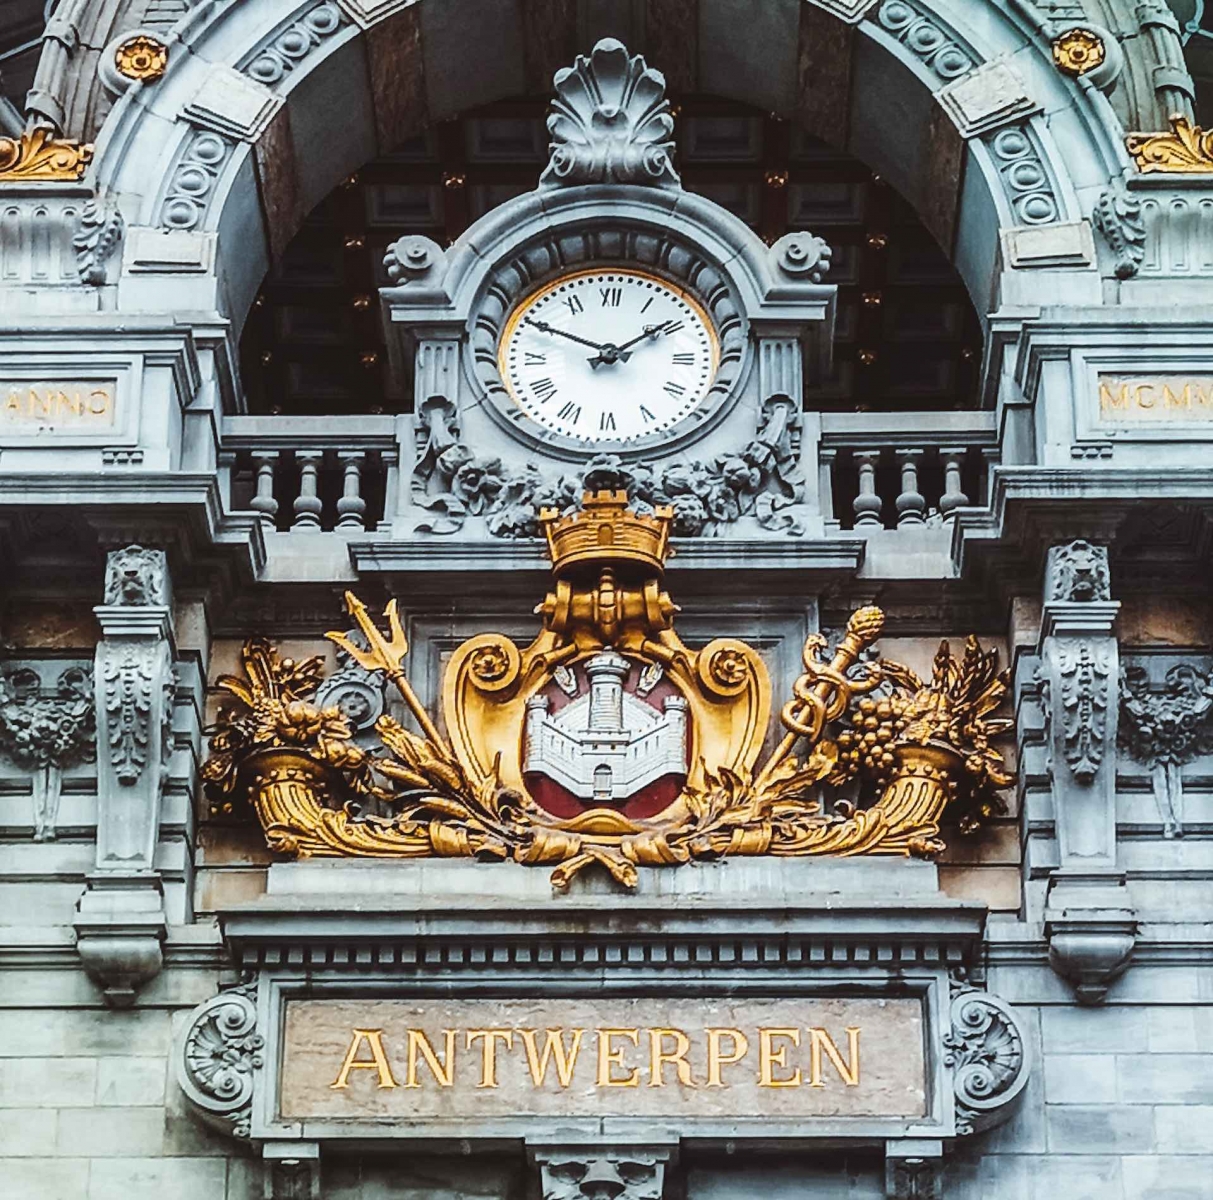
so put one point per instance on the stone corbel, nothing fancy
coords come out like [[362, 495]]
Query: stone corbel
[[601, 1172], [291, 1170], [121, 918], [1090, 927], [913, 1169]]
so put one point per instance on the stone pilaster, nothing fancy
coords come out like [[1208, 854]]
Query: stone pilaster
[[1089, 924], [121, 921]]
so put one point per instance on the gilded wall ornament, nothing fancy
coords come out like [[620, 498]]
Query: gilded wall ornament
[[1187, 149], [672, 736], [1078, 51], [38, 156], [141, 57]]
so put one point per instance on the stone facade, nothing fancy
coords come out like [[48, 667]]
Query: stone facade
[[149, 525]]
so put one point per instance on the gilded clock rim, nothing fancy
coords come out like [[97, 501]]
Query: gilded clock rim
[[526, 302]]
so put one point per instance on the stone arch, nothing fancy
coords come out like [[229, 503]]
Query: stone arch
[[268, 104]]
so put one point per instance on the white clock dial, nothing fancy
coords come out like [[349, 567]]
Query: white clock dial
[[608, 355]]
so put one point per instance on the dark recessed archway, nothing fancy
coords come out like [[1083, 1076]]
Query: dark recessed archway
[[907, 336]]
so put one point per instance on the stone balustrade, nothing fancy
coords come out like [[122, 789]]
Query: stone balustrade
[[312, 474], [903, 470]]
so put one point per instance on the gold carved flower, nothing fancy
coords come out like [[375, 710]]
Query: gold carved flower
[[729, 667], [141, 57], [490, 663], [1078, 51]]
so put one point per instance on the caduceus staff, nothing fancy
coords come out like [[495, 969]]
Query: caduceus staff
[[823, 693], [386, 655]]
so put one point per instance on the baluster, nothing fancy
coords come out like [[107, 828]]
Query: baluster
[[953, 494], [307, 503], [263, 503], [351, 508], [911, 504], [867, 504]]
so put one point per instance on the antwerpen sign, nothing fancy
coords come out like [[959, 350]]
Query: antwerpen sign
[[640, 1057]]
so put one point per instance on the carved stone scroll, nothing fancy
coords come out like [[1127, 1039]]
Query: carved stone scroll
[[986, 1050]]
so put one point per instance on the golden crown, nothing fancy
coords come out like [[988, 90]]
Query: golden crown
[[607, 531]]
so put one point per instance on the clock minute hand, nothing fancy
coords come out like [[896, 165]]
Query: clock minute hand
[[544, 327]]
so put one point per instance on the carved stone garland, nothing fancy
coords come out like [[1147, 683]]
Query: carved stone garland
[[762, 480], [915, 747], [46, 734], [1164, 730]]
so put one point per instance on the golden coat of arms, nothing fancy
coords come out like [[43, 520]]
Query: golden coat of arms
[[608, 740]]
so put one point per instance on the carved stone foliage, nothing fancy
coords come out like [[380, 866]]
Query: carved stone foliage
[[1078, 571], [1084, 667], [218, 1055], [136, 577], [985, 1049], [762, 480], [610, 122], [585, 1174], [1166, 728], [130, 673], [1185, 149], [1118, 216], [45, 731], [97, 235]]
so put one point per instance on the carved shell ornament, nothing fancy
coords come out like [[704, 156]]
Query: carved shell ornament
[[608, 740], [610, 122]]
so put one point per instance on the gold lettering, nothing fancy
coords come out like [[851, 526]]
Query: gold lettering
[[1142, 389], [1202, 397], [769, 1057], [716, 1059], [1171, 400], [659, 1057], [39, 403], [70, 406], [488, 1062], [1109, 401], [445, 1075], [819, 1040], [610, 1057], [377, 1061], [99, 402], [13, 405], [553, 1047]]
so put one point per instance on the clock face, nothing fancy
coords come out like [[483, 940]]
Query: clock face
[[610, 355]]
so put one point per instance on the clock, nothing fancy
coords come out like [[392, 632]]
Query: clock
[[608, 355]]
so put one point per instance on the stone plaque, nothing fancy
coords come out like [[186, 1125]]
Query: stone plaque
[[1155, 399], [29, 406], [659, 1057]]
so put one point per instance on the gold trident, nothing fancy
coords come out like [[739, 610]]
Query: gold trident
[[831, 691], [386, 656]]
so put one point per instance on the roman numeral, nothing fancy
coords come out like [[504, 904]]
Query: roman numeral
[[606, 423], [537, 360], [673, 327], [575, 305], [610, 296], [675, 389], [684, 360], [570, 412], [647, 303], [544, 388], [648, 416]]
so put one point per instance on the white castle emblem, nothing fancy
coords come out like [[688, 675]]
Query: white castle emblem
[[607, 745]]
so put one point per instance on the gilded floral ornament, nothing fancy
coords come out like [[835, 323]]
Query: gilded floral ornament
[[608, 740], [141, 57], [1078, 51], [38, 156], [1187, 149]]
